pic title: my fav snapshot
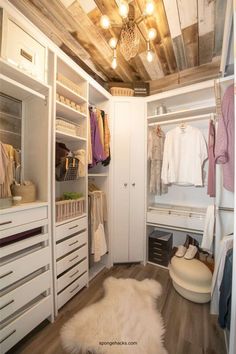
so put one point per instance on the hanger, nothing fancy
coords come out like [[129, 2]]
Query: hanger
[[158, 130], [93, 188], [183, 126]]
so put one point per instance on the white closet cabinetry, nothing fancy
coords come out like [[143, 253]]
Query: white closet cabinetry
[[128, 180]]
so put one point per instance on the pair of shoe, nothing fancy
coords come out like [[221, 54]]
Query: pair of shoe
[[187, 253], [189, 250]]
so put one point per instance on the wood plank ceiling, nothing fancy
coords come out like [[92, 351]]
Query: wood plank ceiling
[[188, 43]]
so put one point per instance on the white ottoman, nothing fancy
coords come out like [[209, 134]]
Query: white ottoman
[[191, 279]]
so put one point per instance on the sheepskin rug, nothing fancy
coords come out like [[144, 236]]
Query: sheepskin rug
[[125, 321]]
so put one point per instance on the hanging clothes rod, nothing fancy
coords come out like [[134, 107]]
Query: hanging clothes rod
[[225, 209], [180, 120]]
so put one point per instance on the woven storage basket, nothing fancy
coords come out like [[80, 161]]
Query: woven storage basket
[[66, 209], [27, 192], [121, 91]]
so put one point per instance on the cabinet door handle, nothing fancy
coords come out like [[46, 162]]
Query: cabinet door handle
[[9, 335], [133, 184], [73, 243], [125, 184], [73, 227], [74, 289], [9, 303], [5, 223], [72, 259], [6, 274]]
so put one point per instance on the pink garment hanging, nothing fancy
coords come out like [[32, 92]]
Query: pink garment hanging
[[211, 185], [224, 149]]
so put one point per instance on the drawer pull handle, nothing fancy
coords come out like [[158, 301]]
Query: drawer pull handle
[[5, 223], [6, 274], [73, 227], [157, 248], [158, 243], [73, 243], [72, 259], [26, 55], [9, 335], [74, 289], [72, 275], [9, 303]]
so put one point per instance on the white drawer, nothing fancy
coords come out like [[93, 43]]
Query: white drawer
[[23, 244], [71, 275], [69, 292], [70, 228], [24, 51], [14, 300], [21, 267], [70, 244], [22, 217], [183, 221], [71, 259], [17, 329]]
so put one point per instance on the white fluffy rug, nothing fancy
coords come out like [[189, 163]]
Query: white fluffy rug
[[126, 314]]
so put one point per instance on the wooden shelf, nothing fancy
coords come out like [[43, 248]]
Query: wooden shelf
[[68, 93], [197, 111], [67, 138], [71, 114], [14, 73]]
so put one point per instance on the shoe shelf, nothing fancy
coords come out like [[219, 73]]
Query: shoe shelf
[[176, 216]]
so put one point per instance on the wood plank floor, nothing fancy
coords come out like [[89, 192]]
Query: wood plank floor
[[189, 327]]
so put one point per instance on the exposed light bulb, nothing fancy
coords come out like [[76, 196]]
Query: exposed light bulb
[[124, 9], [152, 33], [149, 9], [114, 63], [113, 42], [105, 22], [150, 56]]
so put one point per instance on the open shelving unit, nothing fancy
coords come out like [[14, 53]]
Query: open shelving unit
[[100, 176], [70, 238]]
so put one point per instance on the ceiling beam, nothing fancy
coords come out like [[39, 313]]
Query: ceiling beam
[[188, 17], [206, 25], [172, 14], [186, 77]]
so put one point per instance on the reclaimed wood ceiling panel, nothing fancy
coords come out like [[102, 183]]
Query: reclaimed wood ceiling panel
[[189, 36]]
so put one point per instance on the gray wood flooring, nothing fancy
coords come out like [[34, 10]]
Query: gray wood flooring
[[190, 329]]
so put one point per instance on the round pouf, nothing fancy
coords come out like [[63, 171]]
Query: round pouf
[[191, 279]]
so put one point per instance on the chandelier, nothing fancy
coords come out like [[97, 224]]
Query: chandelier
[[129, 36]]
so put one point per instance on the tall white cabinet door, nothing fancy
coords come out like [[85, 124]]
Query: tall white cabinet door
[[137, 183], [121, 141], [128, 180]]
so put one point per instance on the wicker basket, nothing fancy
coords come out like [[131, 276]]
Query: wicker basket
[[27, 192], [121, 91], [67, 209]]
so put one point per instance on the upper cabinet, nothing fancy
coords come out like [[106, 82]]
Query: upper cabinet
[[22, 50]]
